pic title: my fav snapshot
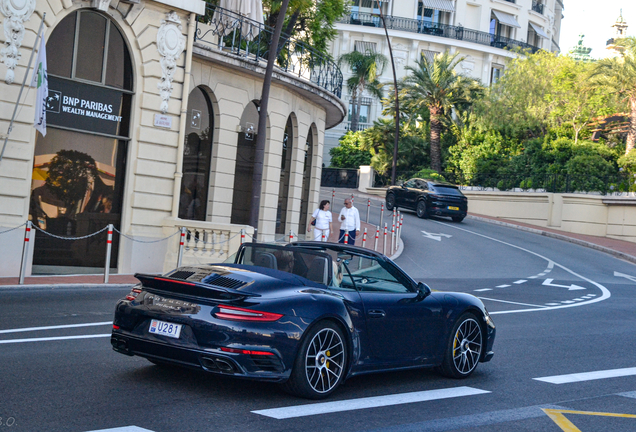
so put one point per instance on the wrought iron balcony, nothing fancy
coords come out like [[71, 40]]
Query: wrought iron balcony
[[537, 7], [236, 34], [441, 30]]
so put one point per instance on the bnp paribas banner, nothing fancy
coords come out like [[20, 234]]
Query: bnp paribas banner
[[77, 105]]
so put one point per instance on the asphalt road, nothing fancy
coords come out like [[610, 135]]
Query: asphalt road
[[559, 310]]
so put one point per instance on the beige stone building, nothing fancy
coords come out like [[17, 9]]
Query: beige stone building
[[152, 113], [484, 31]]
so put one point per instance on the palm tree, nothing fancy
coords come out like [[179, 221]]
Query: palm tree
[[619, 75], [366, 67], [435, 85]]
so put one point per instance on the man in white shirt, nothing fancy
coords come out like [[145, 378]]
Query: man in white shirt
[[349, 222]]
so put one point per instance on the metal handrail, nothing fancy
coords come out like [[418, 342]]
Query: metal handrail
[[233, 33], [435, 29]]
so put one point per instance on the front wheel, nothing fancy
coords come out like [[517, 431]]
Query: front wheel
[[320, 364], [421, 209], [390, 202], [464, 348]]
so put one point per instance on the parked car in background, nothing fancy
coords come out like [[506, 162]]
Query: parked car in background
[[428, 198]]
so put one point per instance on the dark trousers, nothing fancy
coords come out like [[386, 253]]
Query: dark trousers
[[352, 237]]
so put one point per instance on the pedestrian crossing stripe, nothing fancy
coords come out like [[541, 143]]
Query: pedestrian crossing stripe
[[558, 417]]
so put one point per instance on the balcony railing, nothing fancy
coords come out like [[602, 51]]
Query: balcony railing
[[236, 34], [537, 7], [441, 30]]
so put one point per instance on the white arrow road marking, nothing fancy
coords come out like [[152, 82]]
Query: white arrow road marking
[[631, 278], [548, 282], [605, 292], [368, 402], [435, 236]]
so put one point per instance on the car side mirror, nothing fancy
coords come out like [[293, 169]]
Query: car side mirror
[[423, 291]]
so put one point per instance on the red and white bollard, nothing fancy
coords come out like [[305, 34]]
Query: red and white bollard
[[291, 236], [181, 243], [381, 214], [346, 237], [392, 238], [368, 208], [364, 238], [377, 235], [351, 198], [242, 236], [109, 245], [323, 236], [333, 195], [25, 252], [384, 242]]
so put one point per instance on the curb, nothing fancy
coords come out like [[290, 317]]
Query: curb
[[398, 252], [617, 254], [64, 286]]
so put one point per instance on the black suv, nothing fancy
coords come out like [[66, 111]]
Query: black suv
[[427, 198]]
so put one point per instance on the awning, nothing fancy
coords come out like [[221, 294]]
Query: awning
[[442, 5], [506, 19], [538, 30]]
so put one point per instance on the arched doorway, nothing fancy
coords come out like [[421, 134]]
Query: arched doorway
[[244, 166], [197, 153], [285, 170], [79, 167], [304, 200]]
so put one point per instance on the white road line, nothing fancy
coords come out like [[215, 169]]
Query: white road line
[[567, 302], [511, 302], [368, 402], [588, 376], [605, 291], [533, 277], [520, 281], [124, 429], [484, 289], [541, 274], [503, 286], [553, 304], [54, 338], [628, 394], [28, 329]]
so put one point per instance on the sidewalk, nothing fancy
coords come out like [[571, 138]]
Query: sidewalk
[[618, 248]]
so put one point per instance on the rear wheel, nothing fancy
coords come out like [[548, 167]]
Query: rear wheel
[[458, 218], [320, 364], [464, 348], [390, 202], [421, 209]]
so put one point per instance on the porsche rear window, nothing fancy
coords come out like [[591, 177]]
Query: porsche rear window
[[446, 190]]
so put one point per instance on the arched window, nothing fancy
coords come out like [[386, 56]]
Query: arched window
[[197, 153]]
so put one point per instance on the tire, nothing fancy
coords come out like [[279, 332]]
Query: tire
[[319, 367], [421, 209], [464, 348], [390, 202], [458, 218]]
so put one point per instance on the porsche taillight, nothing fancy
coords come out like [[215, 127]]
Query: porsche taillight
[[241, 314], [133, 294]]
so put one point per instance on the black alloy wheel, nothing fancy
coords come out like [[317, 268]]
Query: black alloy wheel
[[421, 209], [320, 364], [464, 348], [390, 202]]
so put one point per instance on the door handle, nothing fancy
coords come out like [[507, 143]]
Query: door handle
[[376, 313]]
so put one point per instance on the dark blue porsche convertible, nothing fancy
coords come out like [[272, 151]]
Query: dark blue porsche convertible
[[307, 315]]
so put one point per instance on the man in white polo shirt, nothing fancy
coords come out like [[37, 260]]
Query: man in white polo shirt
[[349, 222]]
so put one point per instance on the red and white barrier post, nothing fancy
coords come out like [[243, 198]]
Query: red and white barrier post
[[392, 248], [384, 242], [364, 238], [346, 237], [368, 208], [381, 214], [351, 198], [181, 243], [242, 236], [291, 236], [25, 252], [109, 245], [323, 236], [377, 235], [333, 195]]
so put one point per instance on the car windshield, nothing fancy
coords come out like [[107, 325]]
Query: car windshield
[[448, 190], [313, 265]]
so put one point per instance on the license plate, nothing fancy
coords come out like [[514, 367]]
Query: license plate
[[453, 208], [165, 329]]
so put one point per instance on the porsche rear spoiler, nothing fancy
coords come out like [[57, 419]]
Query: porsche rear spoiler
[[191, 289]]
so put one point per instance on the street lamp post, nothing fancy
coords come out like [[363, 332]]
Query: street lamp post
[[259, 152], [397, 103]]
